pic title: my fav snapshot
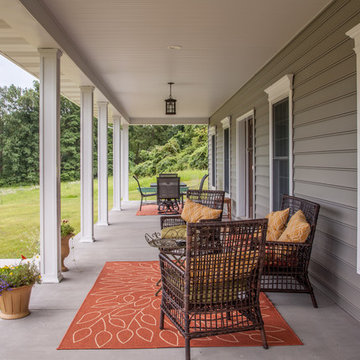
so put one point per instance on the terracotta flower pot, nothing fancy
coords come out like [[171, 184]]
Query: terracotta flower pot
[[14, 303], [65, 250]]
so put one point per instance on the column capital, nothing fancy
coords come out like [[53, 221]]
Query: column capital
[[117, 117], [87, 88], [50, 51], [102, 102]]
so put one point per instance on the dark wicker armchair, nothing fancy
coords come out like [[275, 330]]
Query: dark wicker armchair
[[211, 198], [286, 263], [216, 290]]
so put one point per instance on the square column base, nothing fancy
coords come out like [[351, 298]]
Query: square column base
[[87, 239], [51, 279]]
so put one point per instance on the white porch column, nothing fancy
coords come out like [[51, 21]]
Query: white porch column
[[102, 164], [50, 212], [125, 162], [116, 162], [86, 164]]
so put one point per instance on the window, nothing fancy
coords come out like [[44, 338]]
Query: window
[[213, 162], [212, 157], [280, 161], [226, 127], [280, 140]]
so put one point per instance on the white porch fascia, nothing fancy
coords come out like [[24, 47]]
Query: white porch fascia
[[102, 164], [50, 210], [116, 163], [169, 121], [86, 163]]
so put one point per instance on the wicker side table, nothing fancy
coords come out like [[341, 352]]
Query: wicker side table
[[175, 248]]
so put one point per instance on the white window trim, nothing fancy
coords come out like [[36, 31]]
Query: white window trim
[[242, 197], [280, 90], [354, 33], [226, 125], [212, 132]]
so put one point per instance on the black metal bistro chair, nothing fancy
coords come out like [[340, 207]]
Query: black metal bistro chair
[[203, 181], [144, 192], [168, 175], [168, 193]]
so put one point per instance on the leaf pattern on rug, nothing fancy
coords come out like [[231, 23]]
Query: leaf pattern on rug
[[122, 312]]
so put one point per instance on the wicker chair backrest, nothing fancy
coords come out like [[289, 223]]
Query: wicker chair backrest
[[210, 198], [223, 260], [309, 208]]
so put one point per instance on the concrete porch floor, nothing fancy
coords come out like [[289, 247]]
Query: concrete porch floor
[[327, 332]]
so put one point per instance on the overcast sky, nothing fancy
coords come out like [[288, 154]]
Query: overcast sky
[[13, 74]]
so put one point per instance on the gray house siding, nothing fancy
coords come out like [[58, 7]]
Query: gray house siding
[[322, 60]]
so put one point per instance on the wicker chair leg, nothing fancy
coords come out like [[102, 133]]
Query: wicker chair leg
[[263, 338], [161, 320], [311, 291], [187, 348], [158, 291]]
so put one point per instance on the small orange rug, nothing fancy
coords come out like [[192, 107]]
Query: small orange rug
[[122, 312], [152, 210]]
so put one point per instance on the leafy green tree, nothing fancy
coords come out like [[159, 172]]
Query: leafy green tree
[[69, 140], [19, 137], [180, 148]]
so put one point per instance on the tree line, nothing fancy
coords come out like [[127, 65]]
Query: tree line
[[152, 149]]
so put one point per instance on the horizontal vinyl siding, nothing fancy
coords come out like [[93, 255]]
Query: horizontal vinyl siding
[[322, 60]]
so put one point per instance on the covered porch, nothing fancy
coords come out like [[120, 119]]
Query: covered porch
[[327, 332], [121, 76]]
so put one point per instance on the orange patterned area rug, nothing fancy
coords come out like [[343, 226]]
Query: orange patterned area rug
[[147, 210], [122, 312]]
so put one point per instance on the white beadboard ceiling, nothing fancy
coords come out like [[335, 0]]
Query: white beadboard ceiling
[[121, 46]]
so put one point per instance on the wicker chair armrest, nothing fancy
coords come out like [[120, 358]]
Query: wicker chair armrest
[[167, 221], [180, 271], [284, 244], [204, 221]]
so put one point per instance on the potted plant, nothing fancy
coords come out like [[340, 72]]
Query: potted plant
[[67, 232], [16, 283]]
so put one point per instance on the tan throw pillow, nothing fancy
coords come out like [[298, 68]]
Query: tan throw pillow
[[297, 230], [276, 224], [194, 212], [174, 232]]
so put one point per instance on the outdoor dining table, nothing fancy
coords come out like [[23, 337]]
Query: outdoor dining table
[[182, 185]]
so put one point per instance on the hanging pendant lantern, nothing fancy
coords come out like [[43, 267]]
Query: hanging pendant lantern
[[170, 103]]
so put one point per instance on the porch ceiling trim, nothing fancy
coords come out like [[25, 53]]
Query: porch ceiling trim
[[39, 11], [169, 121]]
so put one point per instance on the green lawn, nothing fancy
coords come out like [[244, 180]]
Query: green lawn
[[19, 209]]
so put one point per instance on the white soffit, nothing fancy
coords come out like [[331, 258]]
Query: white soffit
[[123, 46]]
